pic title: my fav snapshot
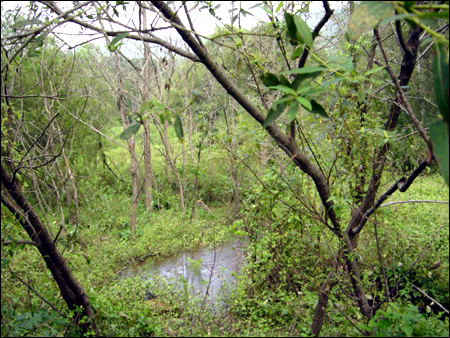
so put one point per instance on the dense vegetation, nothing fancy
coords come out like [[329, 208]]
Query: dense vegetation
[[318, 139]]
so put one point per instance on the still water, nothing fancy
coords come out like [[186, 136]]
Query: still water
[[207, 270]]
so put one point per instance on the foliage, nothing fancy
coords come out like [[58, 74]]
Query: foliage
[[400, 320], [65, 100]]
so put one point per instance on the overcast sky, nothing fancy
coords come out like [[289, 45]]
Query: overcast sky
[[204, 23]]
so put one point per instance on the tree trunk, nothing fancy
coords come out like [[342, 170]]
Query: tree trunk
[[322, 303], [71, 291], [134, 166], [148, 167], [146, 134]]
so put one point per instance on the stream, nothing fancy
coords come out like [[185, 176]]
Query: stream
[[205, 270]]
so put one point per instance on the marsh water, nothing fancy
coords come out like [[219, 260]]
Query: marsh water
[[206, 270]]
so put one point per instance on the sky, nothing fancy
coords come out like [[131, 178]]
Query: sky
[[204, 23]]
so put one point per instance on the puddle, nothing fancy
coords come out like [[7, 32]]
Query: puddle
[[206, 270]]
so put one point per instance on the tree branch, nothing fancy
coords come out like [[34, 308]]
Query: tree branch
[[321, 23], [413, 201], [19, 242], [400, 91], [402, 185]]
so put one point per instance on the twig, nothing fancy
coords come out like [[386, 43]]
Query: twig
[[434, 300], [20, 242], [365, 334], [402, 185], [37, 294], [401, 93], [413, 201], [410, 134]]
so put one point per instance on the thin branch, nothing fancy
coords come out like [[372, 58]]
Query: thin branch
[[37, 294], [410, 134], [322, 22], [400, 91], [434, 300], [191, 24], [400, 38], [413, 201], [19, 215], [402, 185], [20, 242], [364, 333], [31, 35], [96, 130], [55, 97]]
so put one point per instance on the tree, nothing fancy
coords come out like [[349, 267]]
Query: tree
[[299, 80]]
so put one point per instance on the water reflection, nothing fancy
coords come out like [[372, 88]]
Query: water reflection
[[205, 271]]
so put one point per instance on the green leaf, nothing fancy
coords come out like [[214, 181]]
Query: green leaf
[[434, 15], [292, 112], [297, 52], [397, 18], [367, 15], [330, 82], [245, 13], [341, 63], [40, 39], [130, 131], [279, 6], [118, 38], [303, 30], [5, 262], [300, 78], [318, 109], [440, 141], [374, 70], [233, 19], [193, 93], [409, 5], [284, 81], [304, 102], [179, 128], [238, 65], [267, 10], [292, 28], [313, 91], [284, 89], [24, 23], [270, 79], [441, 85], [274, 113], [384, 323], [305, 70]]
